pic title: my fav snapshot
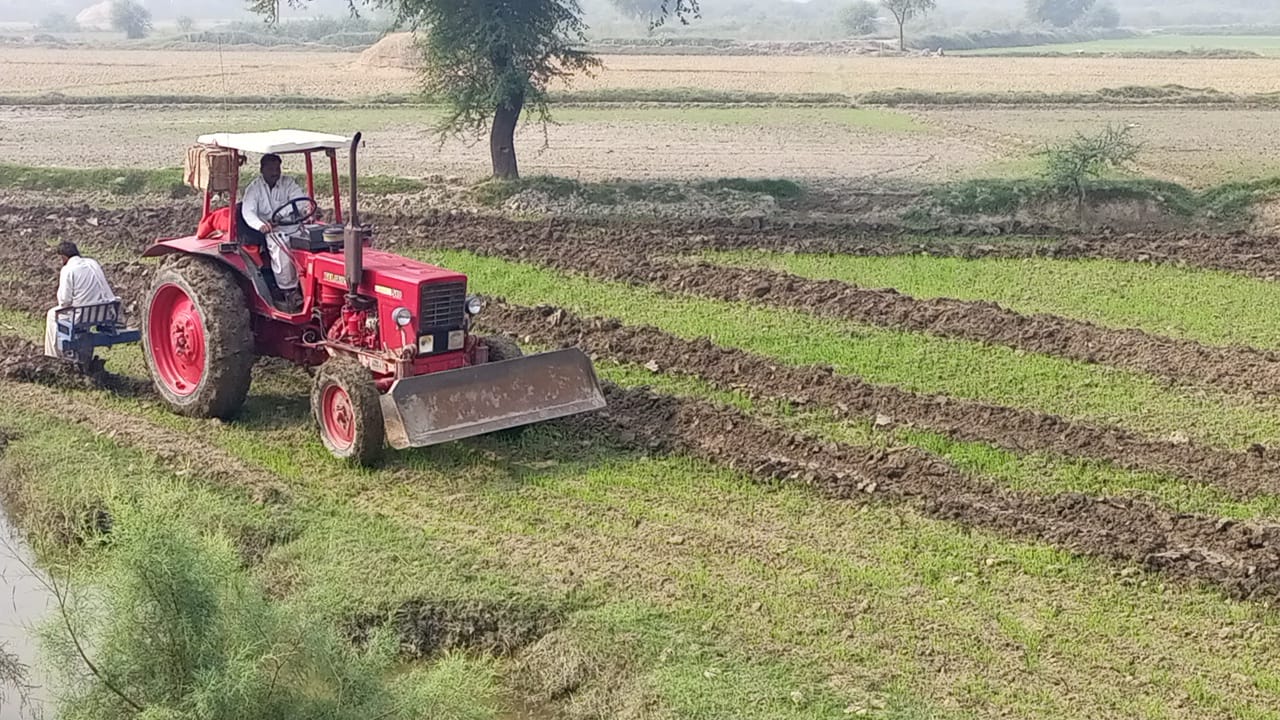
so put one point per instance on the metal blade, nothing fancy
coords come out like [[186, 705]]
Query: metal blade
[[454, 404]]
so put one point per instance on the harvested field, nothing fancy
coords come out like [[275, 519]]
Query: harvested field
[[591, 144], [157, 72]]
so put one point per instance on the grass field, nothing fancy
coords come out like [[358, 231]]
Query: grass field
[[811, 517]]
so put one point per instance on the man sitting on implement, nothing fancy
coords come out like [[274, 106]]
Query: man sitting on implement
[[264, 196], [81, 283]]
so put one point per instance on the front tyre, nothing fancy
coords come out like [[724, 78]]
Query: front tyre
[[197, 339], [347, 408]]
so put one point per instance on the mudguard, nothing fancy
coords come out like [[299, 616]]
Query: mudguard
[[480, 399]]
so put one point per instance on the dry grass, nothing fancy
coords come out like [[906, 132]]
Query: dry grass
[[338, 75]]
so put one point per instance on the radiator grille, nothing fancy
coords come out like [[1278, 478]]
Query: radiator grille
[[443, 306]]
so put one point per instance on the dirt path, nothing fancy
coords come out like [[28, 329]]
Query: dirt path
[[1242, 475], [1241, 558]]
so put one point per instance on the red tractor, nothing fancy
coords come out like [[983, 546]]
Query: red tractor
[[391, 337]]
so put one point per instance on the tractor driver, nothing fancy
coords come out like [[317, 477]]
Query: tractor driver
[[263, 196], [80, 283]]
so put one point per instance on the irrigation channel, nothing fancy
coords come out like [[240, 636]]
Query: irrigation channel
[[24, 603]]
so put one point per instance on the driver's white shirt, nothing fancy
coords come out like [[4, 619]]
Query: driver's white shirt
[[260, 200]]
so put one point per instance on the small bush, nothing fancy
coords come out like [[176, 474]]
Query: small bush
[[175, 629], [185, 23], [1069, 165]]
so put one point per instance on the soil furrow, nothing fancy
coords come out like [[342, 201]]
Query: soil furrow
[[1241, 475], [1241, 558], [1231, 369]]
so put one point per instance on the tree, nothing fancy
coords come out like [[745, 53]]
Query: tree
[[1103, 15], [491, 60], [904, 10], [131, 19], [1071, 164], [185, 23], [1059, 13], [57, 22], [860, 17], [639, 9]]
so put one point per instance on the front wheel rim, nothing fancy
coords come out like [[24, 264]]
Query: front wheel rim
[[176, 334]]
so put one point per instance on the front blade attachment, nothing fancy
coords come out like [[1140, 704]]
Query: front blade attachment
[[454, 404]]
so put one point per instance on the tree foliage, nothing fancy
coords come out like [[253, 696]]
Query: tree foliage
[[175, 629], [859, 18], [1071, 164], [185, 23], [1103, 15], [491, 60], [1059, 13], [130, 18], [57, 22], [903, 11]]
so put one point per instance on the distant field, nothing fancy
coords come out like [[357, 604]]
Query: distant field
[[1262, 44], [589, 143], [336, 75], [1193, 146]]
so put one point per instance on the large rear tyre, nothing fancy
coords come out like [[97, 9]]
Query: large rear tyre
[[348, 410], [504, 348], [197, 338]]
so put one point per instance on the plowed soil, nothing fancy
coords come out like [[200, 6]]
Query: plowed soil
[[1232, 369], [1024, 431], [1242, 558]]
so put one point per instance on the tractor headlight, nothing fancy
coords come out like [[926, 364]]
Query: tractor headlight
[[474, 306], [402, 317]]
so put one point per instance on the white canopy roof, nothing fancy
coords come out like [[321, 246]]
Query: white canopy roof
[[276, 141]]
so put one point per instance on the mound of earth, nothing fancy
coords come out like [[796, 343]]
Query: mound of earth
[[23, 361], [398, 50]]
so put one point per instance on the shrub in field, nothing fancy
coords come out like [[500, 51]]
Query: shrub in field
[[1071, 164], [860, 18], [185, 23], [130, 18], [174, 628]]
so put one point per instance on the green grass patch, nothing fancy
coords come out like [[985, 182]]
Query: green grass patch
[[703, 596], [914, 361], [1207, 306], [1035, 472], [1230, 202], [167, 181], [780, 189], [495, 193]]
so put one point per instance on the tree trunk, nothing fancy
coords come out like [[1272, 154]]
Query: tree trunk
[[502, 138], [902, 35]]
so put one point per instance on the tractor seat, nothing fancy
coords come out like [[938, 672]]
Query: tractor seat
[[104, 317]]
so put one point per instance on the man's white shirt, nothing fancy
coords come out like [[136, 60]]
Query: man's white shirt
[[82, 282], [260, 199]]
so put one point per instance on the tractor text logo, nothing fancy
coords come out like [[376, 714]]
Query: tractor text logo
[[333, 277], [389, 291]]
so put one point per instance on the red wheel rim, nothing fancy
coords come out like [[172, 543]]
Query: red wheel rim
[[176, 332], [339, 417]]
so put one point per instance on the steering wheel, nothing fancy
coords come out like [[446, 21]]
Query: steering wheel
[[296, 216]]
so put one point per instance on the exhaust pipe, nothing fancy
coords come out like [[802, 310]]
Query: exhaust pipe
[[352, 243]]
